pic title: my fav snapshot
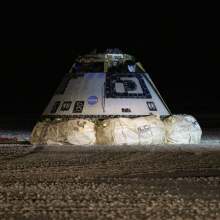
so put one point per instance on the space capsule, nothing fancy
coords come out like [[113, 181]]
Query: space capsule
[[103, 85]]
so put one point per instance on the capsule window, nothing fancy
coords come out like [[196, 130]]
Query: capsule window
[[151, 106], [55, 107], [66, 106], [78, 107]]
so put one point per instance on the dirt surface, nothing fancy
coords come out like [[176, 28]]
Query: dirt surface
[[166, 182]]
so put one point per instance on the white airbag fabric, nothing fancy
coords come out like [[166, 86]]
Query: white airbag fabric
[[76, 132], [126, 131], [182, 129]]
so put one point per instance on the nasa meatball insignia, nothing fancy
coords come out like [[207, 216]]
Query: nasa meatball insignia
[[92, 100]]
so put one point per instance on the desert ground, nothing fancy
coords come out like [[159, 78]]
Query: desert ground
[[66, 182]]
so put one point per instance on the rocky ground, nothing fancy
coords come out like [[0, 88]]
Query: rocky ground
[[157, 182]]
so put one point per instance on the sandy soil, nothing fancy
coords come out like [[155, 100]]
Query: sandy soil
[[176, 182]]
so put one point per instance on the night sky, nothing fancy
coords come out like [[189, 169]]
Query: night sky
[[182, 57]]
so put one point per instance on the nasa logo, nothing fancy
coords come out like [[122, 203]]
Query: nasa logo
[[92, 100]]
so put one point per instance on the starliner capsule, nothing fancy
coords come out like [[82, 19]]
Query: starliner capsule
[[102, 85], [109, 99]]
